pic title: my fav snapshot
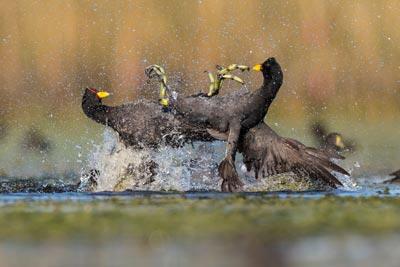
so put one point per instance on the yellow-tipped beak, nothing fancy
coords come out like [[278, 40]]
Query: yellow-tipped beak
[[102, 94], [257, 67], [339, 142], [164, 102]]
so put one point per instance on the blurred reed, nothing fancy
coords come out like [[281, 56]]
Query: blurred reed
[[338, 56]]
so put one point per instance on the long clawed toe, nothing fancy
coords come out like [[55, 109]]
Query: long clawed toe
[[158, 72], [224, 74], [230, 177]]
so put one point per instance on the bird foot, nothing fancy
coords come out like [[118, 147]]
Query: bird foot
[[158, 72], [224, 74], [230, 177]]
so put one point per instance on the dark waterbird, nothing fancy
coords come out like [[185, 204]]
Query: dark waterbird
[[227, 117], [141, 123], [332, 142], [257, 145], [230, 117]]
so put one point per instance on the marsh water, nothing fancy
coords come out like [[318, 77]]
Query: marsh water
[[39, 211], [42, 243]]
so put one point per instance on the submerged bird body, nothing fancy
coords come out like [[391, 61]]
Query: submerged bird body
[[142, 123], [229, 116]]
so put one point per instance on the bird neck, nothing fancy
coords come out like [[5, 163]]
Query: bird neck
[[95, 110], [270, 87]]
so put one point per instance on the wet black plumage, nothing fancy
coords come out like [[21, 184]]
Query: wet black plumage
[[142, 123], [233, 114], [267, 153]]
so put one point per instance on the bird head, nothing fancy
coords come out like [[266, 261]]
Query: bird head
[[269, 68], [99, 94], [336, 140]]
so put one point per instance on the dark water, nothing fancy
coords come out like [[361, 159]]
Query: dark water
[[331, 250], [31, 189]]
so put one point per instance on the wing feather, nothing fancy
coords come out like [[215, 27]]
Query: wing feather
[[269, 154]]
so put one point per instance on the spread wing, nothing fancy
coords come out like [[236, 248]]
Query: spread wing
[[269, 154]]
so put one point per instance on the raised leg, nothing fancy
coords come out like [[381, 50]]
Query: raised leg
[[223, 74], [227, 169], [158, 72]]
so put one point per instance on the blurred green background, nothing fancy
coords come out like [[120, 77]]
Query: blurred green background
[[341, 62]]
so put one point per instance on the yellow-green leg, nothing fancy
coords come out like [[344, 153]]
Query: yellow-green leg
[[224, 74]]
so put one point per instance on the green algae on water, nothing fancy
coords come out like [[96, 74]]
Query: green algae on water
[[261, 218]]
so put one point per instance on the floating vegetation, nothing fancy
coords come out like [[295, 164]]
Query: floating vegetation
[[251, 217]]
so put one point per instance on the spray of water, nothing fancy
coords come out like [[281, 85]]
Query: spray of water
[[114, 167], [192, 167], [349, 184]]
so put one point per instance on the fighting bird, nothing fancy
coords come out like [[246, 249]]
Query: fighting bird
[[141, 123], [234, 117], [226, 117]]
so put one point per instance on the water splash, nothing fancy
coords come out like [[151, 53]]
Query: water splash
[[349, 184], [192, 167], [114, 167]]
